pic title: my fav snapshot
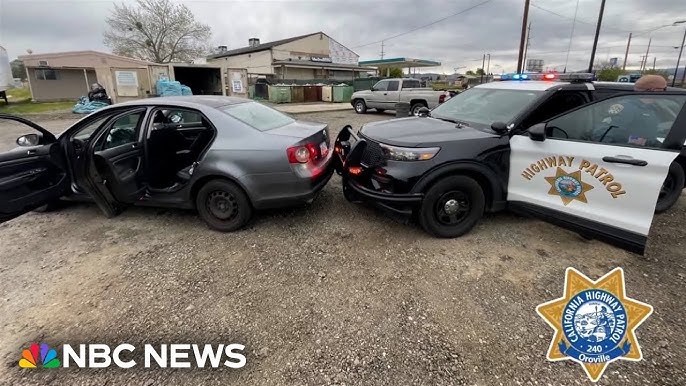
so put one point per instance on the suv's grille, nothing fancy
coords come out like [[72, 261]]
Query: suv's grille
[[372, 155]]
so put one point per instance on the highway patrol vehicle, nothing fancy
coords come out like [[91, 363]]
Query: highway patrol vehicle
[[595, 157]]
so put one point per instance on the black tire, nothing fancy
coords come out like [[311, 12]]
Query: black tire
[[671, 188], [49, 207], [223, 205], [414, 110], [470, 200], [380, 110], [360, 106]]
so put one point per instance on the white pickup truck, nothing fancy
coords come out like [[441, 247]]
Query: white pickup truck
[[387, 92]]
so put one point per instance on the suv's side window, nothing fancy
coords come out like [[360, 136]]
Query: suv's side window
[[633, 120], [381, 86], [393, 85], [555, 105], [124, 130]]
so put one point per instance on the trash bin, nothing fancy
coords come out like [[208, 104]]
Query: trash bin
[[402, 109], [279, 94], [342, 93], [327, 94], [297, 94], [261, 91], [310, 93]]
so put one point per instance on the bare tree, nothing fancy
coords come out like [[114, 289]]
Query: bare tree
[[156, 30]]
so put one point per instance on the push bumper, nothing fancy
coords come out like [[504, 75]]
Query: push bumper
[[400, 204]]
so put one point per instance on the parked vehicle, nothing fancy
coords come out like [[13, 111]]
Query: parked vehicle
[[222, 156], [387, 92], [595, 157]]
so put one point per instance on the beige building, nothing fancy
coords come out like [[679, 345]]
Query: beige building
[[312, 56], [69, 75]]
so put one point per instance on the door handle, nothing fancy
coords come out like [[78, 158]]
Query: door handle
[[629, 161], [31, 152], [385, 93]]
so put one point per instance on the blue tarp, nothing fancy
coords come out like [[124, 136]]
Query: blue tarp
[[167, 87], [84, 106]]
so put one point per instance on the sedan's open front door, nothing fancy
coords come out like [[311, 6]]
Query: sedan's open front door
[[598, 169], [33, 172], [115, 169]]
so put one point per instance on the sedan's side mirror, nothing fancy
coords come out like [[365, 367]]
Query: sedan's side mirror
[[28, 140], [537, 132], [423, 112]]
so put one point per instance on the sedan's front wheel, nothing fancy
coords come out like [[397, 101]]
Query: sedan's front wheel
[[223, 205]]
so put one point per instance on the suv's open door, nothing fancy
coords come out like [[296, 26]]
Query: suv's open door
[[598, 169], [32, 174], [115, 159]]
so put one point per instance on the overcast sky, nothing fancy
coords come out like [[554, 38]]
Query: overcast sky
[[493, 27]]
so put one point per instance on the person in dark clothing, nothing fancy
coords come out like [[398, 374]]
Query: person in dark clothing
[[98, 93]]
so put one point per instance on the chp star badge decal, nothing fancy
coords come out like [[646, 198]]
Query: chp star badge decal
[[568, 186], [594, 322]]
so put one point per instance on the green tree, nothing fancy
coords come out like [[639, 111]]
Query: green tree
[[480, 71], [662, 73], [159, 31], [470, 72], [609, 74], [395, 72], [18, 70]]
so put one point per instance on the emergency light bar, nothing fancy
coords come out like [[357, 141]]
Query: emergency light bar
[[569, 77]]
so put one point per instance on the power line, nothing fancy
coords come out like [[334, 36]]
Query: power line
[[426, 25], [576, 20]]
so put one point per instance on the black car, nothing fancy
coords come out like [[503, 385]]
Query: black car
[[595, 157]]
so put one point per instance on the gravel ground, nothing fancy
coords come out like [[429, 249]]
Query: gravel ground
[[332, 293]]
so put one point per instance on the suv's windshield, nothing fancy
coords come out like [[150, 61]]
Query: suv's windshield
[[483, 106]]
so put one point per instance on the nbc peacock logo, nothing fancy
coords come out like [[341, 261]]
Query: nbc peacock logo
[[39, 356]]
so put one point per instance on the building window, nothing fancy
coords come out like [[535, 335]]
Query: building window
[[47, 74]]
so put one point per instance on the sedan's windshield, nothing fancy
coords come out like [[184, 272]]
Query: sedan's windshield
[[257, 115], [483, 106]]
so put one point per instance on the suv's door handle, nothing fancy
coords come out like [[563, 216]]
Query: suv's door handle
[[630, 161], [385, 93]]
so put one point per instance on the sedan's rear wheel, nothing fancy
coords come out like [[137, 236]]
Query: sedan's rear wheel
[[223, 205]]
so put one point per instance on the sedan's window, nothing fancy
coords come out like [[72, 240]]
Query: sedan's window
[[84, 133], [632, 120], [124, 130], [258, 115]]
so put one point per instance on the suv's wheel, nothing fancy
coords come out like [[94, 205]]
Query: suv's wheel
[[223, 205], [671, 188], [452, 206], [360, 106], [414, 110]]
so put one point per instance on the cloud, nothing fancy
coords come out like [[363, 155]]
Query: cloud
[[459, 41]]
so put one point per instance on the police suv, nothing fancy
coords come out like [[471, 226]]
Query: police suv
[[595, 157]]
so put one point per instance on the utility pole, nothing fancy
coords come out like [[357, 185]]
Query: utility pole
[[654, 60], [488, 66], [525, 18], [679, 60], [483, 63], [626, 54], [526, 47], [645, 62], [382, 49], [597, 33]]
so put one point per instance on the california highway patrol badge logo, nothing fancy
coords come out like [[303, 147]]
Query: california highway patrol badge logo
[[594, 322]]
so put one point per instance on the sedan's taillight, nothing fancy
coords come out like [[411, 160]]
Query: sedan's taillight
[[303, 153], [441, 98]]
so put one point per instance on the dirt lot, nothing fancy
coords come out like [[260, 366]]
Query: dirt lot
[[333, 293]]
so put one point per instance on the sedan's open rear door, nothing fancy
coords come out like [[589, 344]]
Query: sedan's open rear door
[[33, 172], [115, 171]]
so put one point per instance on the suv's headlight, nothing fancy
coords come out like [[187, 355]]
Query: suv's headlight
[[397, 153]]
